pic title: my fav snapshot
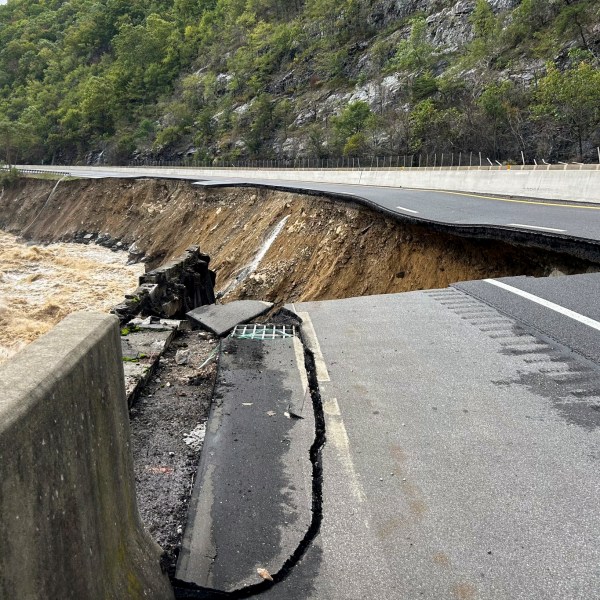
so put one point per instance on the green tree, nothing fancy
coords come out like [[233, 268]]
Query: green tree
[[262, 125], [487, 29], [355, 119], [570, 99], [416, 54], [574, 18], [97, 104], [15, 137], [434, 129]]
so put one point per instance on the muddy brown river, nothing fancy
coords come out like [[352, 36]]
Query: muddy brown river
[[40, 285]]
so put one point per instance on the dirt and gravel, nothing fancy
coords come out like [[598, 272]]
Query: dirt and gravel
[[170, 408]]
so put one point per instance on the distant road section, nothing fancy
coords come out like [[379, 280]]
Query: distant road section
[[555, 182], [558, 225], [461, 210]]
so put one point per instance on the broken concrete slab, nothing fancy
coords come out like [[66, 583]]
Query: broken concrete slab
[[172, 289], [252, 500], [220, 319], [158, 324]]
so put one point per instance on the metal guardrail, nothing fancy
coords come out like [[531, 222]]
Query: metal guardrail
[[37, 171], [176, 165]]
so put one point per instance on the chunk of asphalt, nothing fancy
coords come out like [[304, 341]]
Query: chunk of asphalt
[[220, 319], [252, 500]]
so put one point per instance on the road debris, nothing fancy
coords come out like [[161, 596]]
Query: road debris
[[182, 357], [264, 574], [195, 438]]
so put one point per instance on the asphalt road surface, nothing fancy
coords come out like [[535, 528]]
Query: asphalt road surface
[[462, 447], [548, 220], [558, 219]]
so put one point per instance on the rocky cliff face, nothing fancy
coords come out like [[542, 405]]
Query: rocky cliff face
[[230, 80]]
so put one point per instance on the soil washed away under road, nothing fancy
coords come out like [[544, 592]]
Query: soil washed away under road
[[325, 249]]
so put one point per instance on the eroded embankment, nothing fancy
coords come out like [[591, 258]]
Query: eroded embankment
[[326, 249]]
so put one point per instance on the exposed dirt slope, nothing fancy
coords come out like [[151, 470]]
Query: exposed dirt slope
[[326, 249]]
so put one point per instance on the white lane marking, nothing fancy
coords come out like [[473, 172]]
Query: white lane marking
[[556, 307], [416, 212], [313, 345], [299, 352], [536, 227], [338, 436]]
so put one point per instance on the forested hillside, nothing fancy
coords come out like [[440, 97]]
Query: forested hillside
[[116, 80]]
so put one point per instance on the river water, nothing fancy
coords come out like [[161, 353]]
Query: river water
[[40, 285]]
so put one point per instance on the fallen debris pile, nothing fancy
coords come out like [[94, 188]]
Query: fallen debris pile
[[173, 289]]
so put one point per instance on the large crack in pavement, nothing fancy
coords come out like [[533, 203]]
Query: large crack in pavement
[[190, 591]]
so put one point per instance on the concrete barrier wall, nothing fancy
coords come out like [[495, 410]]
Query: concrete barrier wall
[[576, 183], [69, 522]]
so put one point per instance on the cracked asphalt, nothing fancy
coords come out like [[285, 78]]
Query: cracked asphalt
[[461, 455], [460, 458]]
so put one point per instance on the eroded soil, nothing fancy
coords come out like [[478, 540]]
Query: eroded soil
[[327, 249], [171, 406]]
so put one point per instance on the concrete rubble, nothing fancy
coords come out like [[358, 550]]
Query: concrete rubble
[[169, 291], [142, 345]]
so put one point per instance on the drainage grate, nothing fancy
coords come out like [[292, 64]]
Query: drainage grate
[[263, 332]]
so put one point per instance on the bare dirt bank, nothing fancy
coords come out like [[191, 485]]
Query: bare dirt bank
[[326, 249]]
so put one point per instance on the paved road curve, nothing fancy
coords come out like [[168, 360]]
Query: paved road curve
[[550, 222], [558, 219]]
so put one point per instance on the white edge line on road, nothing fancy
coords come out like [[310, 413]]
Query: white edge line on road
[[536, 227], [299, 352], [416, 212], [313, 344], [556, 307], [337, 434]]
